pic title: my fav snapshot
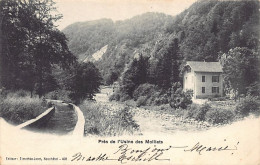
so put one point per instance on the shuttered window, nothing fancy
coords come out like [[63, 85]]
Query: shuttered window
[[203, 90], [203, 79], [215, 78], [215, 89]]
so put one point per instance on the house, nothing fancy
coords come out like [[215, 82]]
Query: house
[[204, 78]]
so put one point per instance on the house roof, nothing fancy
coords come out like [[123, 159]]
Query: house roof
[[200, 66]]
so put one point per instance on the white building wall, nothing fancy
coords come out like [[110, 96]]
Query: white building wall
[[208, 84], [188, 81]]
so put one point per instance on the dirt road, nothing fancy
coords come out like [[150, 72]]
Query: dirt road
[[151, 121]]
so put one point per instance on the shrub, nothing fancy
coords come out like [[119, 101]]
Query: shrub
[[17, 110], [59, 95], [198, 112], [22, 93], [17, 94], [180, 99], [161, 99], [220, 116], [126, 118], [119, 96], [144, 90], [124, 97], [248, 105], [141, 101], [104, 121], [154, 96], [115, 96], [254, 89], [218, 99]]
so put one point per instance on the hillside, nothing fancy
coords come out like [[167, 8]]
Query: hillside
[[204, 31]]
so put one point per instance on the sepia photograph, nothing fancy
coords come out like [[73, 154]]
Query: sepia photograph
[[133, 82]]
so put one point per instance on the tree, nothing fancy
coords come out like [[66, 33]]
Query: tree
[[136, 75], [32, 44], [168, 65], [84, 82], [240, 66]]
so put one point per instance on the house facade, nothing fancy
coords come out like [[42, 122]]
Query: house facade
[[203, 78]]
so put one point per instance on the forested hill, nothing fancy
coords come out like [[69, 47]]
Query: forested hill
[[204, 31], [85, 38]]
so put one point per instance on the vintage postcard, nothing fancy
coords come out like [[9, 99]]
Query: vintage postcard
[[129, 82]]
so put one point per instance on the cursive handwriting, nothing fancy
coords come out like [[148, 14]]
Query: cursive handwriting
[[125, 153], [79, 157], [148, 154], [200, 148]]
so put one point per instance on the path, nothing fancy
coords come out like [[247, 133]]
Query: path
[[151, 121]]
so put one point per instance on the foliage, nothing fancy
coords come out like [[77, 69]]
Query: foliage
[[85, 82], [204, 31], [240, 66], [111, 78], [220, 116], [141, 101], [18, 109], [119, 96], [136, 74], [167, 69], [100, 120], [253, 89], [160, 99], [179, 98], [218, 99], [248, 105], [59, 94], [144, 90], [198, 112], [33, 45], [126, 118], [115, 96]]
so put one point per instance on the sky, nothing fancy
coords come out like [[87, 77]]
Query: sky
[[86, 10]]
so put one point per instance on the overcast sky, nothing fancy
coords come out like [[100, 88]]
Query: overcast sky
[[85, 10]]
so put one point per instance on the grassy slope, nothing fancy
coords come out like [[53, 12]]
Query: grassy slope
[[17, 110]]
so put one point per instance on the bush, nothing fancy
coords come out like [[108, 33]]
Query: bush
[[107, 121], [218, 99], [119, 96], [17, 110], [144, 90], [126, 118], [198, 112], [141, 101], [161, 99], [124, 97], [220, 116], [254, 89], [22, 93], [59, 95], [248, 105], [17, 94], [180, 99], [115, 96]]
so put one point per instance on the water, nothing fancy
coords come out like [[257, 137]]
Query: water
[[62, 122]]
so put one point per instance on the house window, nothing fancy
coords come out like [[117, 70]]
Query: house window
[[215, 78], [215, 89], [203, 89], [203, 79]]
